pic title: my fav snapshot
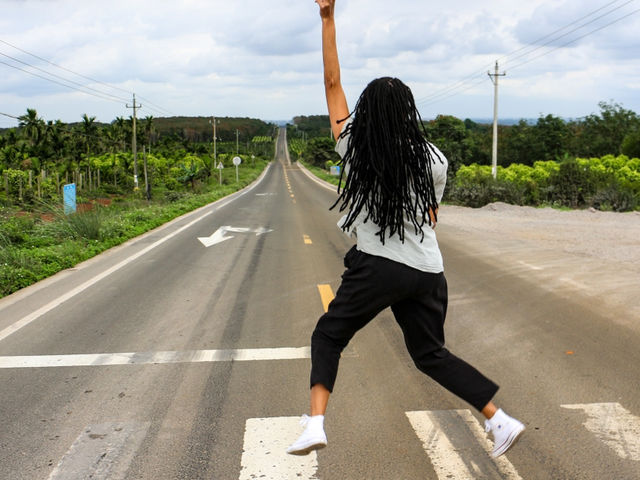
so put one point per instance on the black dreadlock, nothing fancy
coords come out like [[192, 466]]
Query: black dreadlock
[[389, 161]]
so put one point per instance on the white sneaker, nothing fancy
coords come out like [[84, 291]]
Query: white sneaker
[[506, 431], [313, 437]]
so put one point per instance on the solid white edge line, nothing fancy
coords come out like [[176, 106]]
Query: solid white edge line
[[320, 182], [24, 321]]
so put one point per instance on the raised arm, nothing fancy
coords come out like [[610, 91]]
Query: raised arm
[[336, 100]]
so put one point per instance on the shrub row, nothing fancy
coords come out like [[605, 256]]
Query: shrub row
[[607, 183]]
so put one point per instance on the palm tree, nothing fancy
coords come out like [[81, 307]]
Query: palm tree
[[89, 131], [121, 129], [33, 127], [112, 135], [149, 129]]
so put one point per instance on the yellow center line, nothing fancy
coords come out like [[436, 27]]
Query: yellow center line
[[326, 295]]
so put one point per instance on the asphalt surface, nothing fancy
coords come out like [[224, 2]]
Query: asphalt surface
[[166, 412]]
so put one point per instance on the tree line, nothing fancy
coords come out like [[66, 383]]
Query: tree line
[[91, 153], [591, 161], [613, 131]]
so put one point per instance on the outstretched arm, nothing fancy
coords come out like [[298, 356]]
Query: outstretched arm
[[336, 100]]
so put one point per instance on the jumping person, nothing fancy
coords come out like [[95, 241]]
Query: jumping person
[[395, 180]]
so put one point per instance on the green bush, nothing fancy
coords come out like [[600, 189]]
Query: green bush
[[610, 182]]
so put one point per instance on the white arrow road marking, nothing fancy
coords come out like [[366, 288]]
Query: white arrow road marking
[[264, 453], [458, 446], [24, 321], [614, 425], [220, 235], [102, 452]]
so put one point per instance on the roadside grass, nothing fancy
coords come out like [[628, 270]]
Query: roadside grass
[[38, 244]]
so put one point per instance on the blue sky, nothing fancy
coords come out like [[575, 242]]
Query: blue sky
[[262, 59]]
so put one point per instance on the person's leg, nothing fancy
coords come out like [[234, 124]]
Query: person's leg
[[422, 322], [319, 399], [313, 436], [369, 285], [489, 410], [505, 429]]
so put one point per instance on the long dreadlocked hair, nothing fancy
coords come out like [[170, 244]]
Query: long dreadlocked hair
[[389, 159]]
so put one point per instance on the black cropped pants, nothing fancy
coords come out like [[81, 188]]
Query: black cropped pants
[[418, 301]]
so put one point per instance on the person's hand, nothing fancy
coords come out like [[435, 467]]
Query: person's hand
[[326, 7]]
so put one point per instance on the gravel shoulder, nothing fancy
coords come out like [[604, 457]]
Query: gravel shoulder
[[588, 254]]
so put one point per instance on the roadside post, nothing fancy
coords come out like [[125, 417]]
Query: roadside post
[[220, 167], [237, 161]]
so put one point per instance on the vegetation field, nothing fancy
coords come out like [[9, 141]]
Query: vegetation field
[[176, 167], [589, 162]]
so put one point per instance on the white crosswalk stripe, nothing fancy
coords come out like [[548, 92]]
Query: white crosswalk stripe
[[264, 454], [458, 447], [614, 425]]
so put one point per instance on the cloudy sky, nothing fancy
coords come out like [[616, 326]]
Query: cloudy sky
[[262, 59]]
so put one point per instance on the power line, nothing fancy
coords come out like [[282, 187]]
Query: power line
[[65, 69], [59, 83], [572, 31], [428, 102], [102, 94], [575, 39], [10, 116], [464, 83], [158, 109], [565, 27]]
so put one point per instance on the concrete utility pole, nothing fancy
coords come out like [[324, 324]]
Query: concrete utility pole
[[133, 143], [213, 122], [494, 149]]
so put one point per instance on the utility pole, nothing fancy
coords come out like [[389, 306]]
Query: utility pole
[[494, 149], [213, 122], [133, 143]]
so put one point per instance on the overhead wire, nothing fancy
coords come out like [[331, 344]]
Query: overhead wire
[[65, 69], [555, 39], [59, 83], [101, 94], [575, 39], [98, 93], [593, 12], [464, 83]]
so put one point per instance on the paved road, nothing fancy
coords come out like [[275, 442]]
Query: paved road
[[170, 359]]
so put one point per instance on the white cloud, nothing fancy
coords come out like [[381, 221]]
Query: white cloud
[[251, 58]]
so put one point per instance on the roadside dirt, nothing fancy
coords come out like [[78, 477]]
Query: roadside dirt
[[586, 253]]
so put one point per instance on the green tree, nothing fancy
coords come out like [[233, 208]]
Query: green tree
[[148, 128], [604, 134], [449, 134], [319, 150], [551, 138], [33, 127], [631, 145]]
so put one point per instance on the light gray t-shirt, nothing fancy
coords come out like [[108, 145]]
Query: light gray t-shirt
[[417, 252]]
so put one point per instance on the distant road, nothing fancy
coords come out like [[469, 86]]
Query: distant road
[[185, 355]]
